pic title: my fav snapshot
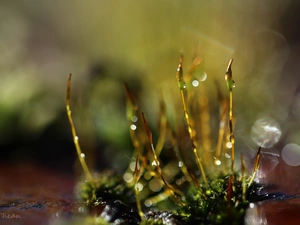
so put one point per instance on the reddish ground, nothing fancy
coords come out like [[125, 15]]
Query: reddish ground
[[33, 195]]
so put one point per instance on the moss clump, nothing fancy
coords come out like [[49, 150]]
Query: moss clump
[[220, 198], [214, 207], [105, 186]]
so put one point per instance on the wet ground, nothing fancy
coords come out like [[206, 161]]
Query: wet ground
[[31, 194]]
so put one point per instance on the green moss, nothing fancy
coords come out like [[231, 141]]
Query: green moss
[[222, 198], [106, 186], [214, 208]]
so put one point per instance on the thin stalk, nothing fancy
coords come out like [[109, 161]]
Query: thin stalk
[[244, 186], [256, 165], [168, 186], [182, 87], [230, 85], [163, 125], [80, 154], [137, 191]]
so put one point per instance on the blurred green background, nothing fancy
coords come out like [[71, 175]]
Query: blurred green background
[[107, 43]]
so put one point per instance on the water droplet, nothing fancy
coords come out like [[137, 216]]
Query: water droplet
[[147, 175], [208, 192], [291, 154], [265, 132], [133, 127], [179, 182], [148, 203], [132, 166], [82, 155], [155, 185], [227, 155], [154, 163], [76, 138], [233, 84], [139, 186], [254, 216], [228, 144], [200, 75], [180, 164], [134, 119], [195, 83], [218, 162], [128, 177], [181, 85], [81, 209]]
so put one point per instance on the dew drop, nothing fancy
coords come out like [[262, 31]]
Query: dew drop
[[134, 119], [228, 144], [154, 163], [180, 164], [195, 83], [148, 203], [227, 156], [139, 187], [81, 209], [181, 85], [254, 216], [251, 205], [128, 177], [218, 162], [200, 75], [233, 84], [132, 166], [155, 185], [133, 127], [178, 182], [82, 155], [147, 175]]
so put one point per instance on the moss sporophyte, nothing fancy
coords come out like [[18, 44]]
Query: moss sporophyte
[[172, 190]]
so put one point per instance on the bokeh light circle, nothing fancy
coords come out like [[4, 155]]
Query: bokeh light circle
[[291, 154], [265, 132]]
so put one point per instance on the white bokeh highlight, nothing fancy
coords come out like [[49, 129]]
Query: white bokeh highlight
[[291, 154], [266, 132]]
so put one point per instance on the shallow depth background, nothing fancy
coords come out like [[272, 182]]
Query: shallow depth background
[[107, 43]]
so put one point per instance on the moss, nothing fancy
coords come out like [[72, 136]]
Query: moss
[[105, 186], [219, 198], [214, 207]]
